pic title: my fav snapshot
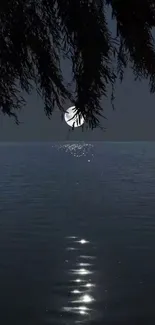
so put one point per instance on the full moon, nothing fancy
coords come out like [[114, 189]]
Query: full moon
[[73, 121]]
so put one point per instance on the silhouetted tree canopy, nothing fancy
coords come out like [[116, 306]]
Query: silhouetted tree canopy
[[36, 34]]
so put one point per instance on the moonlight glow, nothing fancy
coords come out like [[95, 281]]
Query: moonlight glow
[[73, 121]]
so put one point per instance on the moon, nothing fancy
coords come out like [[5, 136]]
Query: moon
[[73, 122]]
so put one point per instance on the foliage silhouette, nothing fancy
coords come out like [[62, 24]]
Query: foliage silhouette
[[36, 34]]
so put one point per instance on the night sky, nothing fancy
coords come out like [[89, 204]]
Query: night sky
[[133, 119]]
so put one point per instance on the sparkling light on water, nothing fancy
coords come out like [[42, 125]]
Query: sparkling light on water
[[81, 293], [76, 149]]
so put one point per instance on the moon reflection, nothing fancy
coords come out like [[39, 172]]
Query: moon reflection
[[87, 299], [78, 280], [71, 248], [89, 285], [81, 297], [71, 237], [84, 264], [88, 257], [83, 241], [83, 310], [81, 271], [76, 291]]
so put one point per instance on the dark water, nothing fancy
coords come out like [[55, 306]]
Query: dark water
[[77, 234]]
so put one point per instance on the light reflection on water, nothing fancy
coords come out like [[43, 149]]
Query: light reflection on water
[[83, 241], [71, 248], [81, 295], [88, 257], [84, 264], [76, 149], [81, 272]]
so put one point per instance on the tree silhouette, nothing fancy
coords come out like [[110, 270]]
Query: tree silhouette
[[36, 34]]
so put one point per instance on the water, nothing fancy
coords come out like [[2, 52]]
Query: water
[[77, 233]]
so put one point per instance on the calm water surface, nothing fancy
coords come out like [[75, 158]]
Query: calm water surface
[[77, 233]]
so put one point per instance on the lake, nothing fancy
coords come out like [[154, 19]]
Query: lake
[[77, 233]]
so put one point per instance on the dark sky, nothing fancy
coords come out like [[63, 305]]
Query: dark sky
[[133, 119]]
